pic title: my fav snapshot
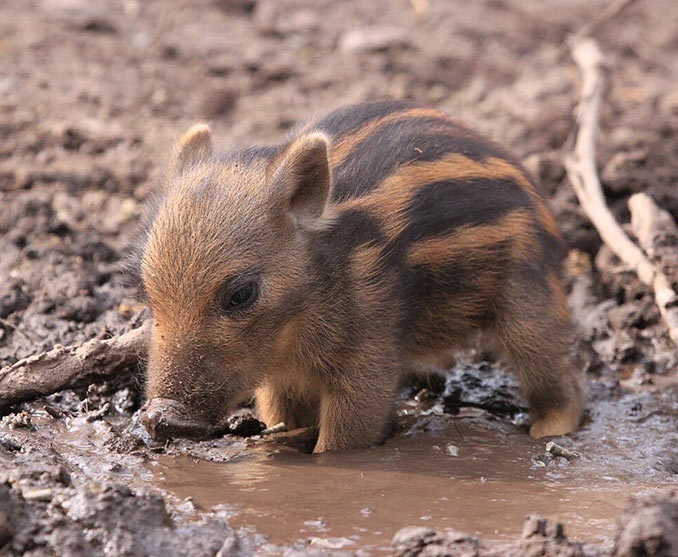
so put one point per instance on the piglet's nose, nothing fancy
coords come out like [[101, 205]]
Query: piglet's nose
[[166, 418]]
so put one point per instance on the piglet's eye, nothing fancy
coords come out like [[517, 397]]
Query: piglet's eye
[[242, 298]]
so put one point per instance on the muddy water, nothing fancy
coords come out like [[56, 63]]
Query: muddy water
[[469, 475], [471, 472]]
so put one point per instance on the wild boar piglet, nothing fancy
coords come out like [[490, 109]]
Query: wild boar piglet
[[315, 274]]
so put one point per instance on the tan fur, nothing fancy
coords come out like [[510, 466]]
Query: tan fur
[[303, 173], [470, 239], [323, 343], [195, 145]]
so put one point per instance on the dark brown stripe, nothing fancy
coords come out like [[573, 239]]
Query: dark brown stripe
[[444, 207], [496, 180], [346, 120], [347, 144], [470, 240], [404, 142]]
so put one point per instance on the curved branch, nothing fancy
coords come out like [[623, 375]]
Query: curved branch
[[64, 367]]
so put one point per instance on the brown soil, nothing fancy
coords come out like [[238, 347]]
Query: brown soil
[[92, 95]]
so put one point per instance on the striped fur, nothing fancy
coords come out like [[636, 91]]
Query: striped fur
[[381, 236]]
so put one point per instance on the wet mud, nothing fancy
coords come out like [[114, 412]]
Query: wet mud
[[92, 95], [471, 470]]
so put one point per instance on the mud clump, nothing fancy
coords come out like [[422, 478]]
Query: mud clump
[[649, 527], [417, 541], [107, 518], [244, 425], [542, 537]]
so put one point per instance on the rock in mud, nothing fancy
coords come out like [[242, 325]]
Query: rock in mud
[[107, 519], [373, 39], [245, 425], [542, 537], [80, 14], [419, 541], [13, 296], [624, 316], [649, 527], [556, 450], [230, 548]]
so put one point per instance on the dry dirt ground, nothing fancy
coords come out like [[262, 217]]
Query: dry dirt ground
[[92, 95]]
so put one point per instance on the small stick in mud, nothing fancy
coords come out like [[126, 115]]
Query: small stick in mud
[[277, 428], [581, 170], [44, 494], [556, 450], [100, 413], [64, 367]]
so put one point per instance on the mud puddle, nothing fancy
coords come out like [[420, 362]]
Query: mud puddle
[[472, 471], [467, 474]]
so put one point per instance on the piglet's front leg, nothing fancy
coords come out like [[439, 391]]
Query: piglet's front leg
[[358, 415]]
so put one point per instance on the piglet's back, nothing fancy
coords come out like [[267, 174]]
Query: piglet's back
[[449, 211]]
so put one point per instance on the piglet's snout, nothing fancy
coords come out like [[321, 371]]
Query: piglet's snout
[[165, 418]]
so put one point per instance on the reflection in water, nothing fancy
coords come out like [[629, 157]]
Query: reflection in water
[[487, 489]]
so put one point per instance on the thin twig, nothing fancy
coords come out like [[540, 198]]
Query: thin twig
[[581, 170]]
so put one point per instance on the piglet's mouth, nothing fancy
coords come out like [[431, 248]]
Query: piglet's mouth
[[166, 418]]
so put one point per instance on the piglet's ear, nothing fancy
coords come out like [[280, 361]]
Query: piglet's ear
[[193, 147], [302, 175]]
